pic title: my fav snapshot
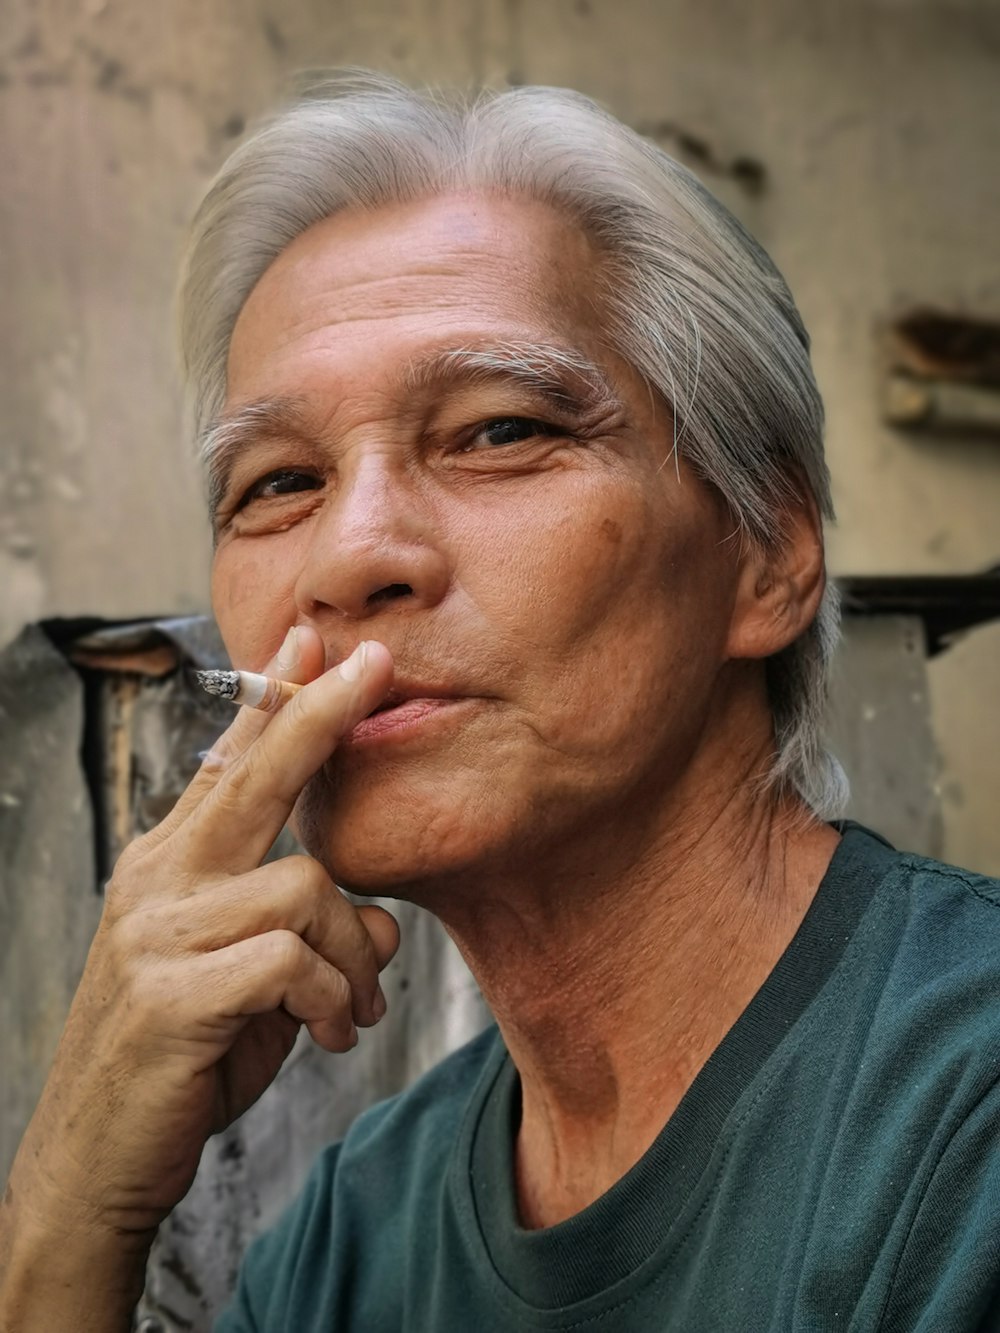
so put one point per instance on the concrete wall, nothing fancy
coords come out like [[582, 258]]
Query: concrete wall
[[876, 123]]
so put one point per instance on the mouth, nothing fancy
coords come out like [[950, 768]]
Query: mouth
[[402, 715], [394, 699]]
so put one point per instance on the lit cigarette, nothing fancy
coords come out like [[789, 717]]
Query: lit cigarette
[[249, 688]]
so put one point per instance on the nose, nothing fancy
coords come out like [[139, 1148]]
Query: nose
[[373, 547]]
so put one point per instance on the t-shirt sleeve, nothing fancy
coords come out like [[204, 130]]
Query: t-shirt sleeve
[[292, 1262], [948, 1276]]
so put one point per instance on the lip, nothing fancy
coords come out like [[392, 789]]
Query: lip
[[408, 717]]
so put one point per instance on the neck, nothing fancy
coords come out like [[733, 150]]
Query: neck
[[612, 994]]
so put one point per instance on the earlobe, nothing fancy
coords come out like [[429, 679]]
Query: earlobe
[[779, 591]]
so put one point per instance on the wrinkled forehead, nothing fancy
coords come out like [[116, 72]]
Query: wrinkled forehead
[[462, 266], [410, 302]]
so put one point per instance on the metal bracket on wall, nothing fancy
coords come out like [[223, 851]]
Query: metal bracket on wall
[[946, 603]]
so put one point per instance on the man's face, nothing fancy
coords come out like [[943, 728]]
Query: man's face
[[451, 460]]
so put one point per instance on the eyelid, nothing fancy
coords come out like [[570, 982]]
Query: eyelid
[[540, 426], [245, 497]]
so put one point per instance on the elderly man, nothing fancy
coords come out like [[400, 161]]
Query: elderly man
[[507, 416]]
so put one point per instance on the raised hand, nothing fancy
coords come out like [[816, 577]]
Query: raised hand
[[204, 967]]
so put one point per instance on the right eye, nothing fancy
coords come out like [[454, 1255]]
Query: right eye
[[286, 481]]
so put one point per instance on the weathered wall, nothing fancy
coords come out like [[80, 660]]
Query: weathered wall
[[876, 123]]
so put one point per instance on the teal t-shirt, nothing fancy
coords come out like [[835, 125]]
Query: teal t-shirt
[[834, 1166]]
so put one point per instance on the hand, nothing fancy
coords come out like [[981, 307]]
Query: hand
[[204, 967]]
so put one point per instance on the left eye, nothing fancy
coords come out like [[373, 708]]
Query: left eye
[[510, 430], [285, 482]]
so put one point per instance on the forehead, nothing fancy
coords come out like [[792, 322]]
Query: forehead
[[368, 284]]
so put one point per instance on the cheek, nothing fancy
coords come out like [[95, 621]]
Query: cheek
[[253, 602], [624, 605], [544, 565], [574, 569]]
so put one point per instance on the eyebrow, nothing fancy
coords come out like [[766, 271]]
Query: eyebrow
[[229, 434], [560, 376]]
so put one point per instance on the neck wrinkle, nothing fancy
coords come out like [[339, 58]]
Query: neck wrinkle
[[611, 997]]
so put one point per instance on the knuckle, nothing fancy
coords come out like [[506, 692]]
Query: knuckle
[[249, 777], [344, 931], [340, 992], [229, 796], [132, 940], [119, 894], [297, 715], [308, 876], [365, 944], [241, 733], [283, 951], [130, 854], [137, 882], [145, 844], [127, 935], [367, 963]]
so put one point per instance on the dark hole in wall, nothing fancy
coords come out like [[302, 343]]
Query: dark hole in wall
[[934, 345]]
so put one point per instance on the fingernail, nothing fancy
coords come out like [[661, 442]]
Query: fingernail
[[378, 1004], [352, 1038], [288, 653], [352, 668]]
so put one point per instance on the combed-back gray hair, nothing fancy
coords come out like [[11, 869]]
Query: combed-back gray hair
[[689, 299]]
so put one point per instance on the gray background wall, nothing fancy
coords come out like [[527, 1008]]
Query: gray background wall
[[876, 122]]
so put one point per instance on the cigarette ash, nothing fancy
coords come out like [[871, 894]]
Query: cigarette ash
[[225, 684]]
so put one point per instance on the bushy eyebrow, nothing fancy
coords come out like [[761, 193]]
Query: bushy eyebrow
[[264, 419], [562, 377]]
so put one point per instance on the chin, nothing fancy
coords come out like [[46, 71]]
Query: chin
[[390, 843]]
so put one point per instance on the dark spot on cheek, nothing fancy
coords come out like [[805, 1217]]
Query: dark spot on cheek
[[612, 531]]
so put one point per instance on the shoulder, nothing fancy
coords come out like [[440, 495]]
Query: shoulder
[[916, 994], [953, 911], [938, 877], [922, 975], [956, 911]]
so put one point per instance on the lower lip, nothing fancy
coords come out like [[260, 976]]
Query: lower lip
[[401, 721]]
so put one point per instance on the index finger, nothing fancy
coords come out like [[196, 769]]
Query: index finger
[[304, 663], [238, 820]]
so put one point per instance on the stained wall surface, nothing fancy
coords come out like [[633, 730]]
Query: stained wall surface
[[874, 125]]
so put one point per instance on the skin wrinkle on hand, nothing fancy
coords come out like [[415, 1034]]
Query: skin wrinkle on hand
[[590, 600]]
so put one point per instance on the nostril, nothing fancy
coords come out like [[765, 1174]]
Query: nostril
[[389, 593]]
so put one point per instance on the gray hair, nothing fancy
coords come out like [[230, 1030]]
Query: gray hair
[[690, 300]]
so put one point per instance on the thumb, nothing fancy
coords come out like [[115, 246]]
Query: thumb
[[384, 931]]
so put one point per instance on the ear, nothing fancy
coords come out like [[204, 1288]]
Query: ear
[[778, 592]]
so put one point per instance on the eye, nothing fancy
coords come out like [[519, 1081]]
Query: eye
[[286, 481], [500, 431]]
